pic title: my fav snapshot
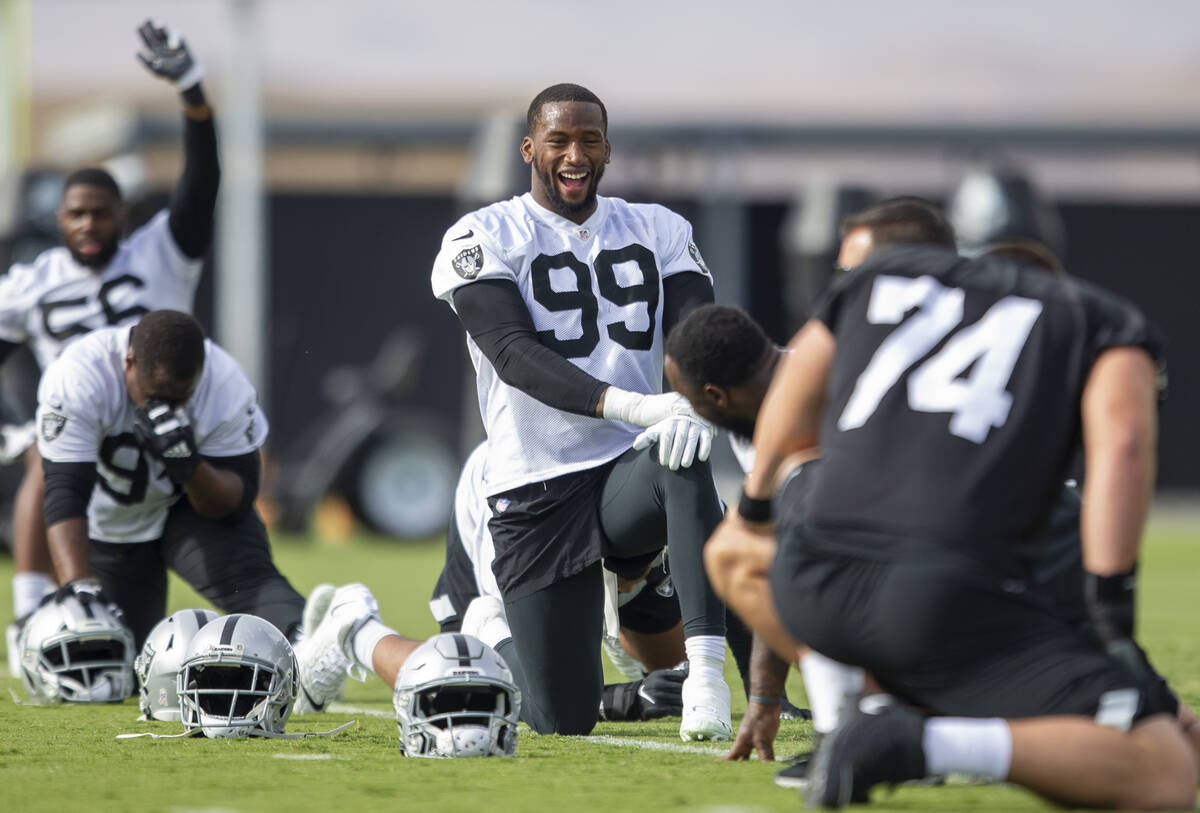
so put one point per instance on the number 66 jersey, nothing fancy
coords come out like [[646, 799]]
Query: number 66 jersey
[[84, 415], [594, 293], [952, 408]]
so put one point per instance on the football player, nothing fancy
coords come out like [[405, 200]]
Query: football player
[[565, 296], [96, 278], [947, 396], [150, 440]]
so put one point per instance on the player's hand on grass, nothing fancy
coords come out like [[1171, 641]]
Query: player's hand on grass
[[660, 694], [756, 733], [165, 434], [682, 438], [168, 57]]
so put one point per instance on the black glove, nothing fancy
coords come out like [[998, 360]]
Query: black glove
[[659, 694], [87, 591], [169, 57], [165, 434]]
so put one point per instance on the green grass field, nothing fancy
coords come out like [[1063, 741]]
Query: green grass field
[[68, 757]]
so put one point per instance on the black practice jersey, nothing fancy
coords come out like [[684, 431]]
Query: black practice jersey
[[954, 401]]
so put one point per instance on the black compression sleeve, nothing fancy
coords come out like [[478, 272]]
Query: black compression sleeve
[[68, 489], [195, 195], [495, 316], [249, 468], [7, 348], [683, 293]]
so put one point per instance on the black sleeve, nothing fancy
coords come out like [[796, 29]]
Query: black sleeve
[[68, 489], [7, 348], [683, 293], [195, 195], [249, 468], [495, 316]]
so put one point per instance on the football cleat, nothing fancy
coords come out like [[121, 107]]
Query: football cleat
[[706, 713], [316, 607], [325, 657], [881, 741]]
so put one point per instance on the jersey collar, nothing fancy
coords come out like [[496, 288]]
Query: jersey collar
[[584, 231]]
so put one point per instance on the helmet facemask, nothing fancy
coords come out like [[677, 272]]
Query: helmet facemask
[[77, 653]]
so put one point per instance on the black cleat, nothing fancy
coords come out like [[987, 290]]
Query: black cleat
[[787, 711], [796, 774], [877, 743]]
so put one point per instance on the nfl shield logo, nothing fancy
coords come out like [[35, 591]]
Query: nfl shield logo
[[583, 234], [469, 262]]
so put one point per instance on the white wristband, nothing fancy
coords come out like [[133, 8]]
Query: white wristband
[[619, 404], [191, 78]]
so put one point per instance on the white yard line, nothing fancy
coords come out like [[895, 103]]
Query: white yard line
[[306, 756]]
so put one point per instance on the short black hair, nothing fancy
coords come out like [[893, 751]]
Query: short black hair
[[563, 92], [93, 176], [718, 344], [1026, 252], [168, 343], [902, 220]]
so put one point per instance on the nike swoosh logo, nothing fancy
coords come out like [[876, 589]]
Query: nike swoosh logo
[[470, 233], [642, 693]]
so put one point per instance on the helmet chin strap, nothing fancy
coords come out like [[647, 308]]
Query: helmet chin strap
[[271, 735]]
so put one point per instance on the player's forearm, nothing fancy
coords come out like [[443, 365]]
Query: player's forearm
[[789, 419], [214, 492], [768, 671], [194, 198], [1119, 431], [68, 542]]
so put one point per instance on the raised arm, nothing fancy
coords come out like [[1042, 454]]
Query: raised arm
[[195, 195]]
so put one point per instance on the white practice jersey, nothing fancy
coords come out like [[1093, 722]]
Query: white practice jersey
[[594, 291], [85, 415], [471, 513], [55, 300]]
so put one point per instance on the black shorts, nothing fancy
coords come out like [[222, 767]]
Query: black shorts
[[547, 531], [944, 632], [227, 563], [655, 608]]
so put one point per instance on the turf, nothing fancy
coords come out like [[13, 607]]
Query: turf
[[67, 757]]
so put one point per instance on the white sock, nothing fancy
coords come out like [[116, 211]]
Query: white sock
[[828, 683], [963, 745], [28, 589], [367, 638], [706, 656]]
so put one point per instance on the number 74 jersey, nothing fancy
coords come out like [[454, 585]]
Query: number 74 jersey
[[953, 403], [594, 292]]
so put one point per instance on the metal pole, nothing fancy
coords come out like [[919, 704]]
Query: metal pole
[[242, 323], [15, 95]]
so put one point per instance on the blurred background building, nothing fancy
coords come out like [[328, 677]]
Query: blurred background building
[[353, 133]]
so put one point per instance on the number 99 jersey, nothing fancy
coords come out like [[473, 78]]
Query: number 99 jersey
[[953, 404], [594, 292], [85, 415]]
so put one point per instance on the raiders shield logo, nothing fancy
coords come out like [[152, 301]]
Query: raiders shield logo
[[697, 259], [52, 425], [469, 262]]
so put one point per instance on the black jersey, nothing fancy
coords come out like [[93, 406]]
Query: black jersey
[[954, 401]]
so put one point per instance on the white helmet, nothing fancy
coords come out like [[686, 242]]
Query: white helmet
[[238, 678], [158, 664], [77, 650], [455, 697]]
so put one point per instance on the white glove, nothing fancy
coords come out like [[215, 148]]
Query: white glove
[[15, 439], [640, 409], [682, 438]]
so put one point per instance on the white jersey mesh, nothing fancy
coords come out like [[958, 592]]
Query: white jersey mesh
[[55, 300], [471, 514], [569, 275], [85, 415]]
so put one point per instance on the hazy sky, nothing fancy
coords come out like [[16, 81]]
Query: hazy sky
[[945, 60]]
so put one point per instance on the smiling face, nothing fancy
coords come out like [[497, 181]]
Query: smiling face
[[567, 150], [90, 220]]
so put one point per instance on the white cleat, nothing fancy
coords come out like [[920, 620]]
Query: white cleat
[[325, 656], [706, 713], [316, 607], [11, 636]]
